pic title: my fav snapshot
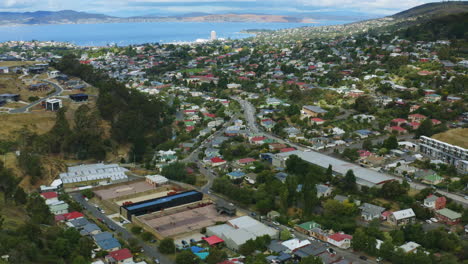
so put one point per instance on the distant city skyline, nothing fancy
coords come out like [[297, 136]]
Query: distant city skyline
[[179, 7]]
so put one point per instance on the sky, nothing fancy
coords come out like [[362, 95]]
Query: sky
[[176, 7]]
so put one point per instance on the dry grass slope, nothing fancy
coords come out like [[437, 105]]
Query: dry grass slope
[[458, 137]]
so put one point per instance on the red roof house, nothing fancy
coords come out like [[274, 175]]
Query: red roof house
[[417, 117], [316, 120], [398, 129], [49, 195], [120, 256], [217, 161], [246, 161], [287, 150], [68, 216], [340, 240], [399, 121], [435, 122], [213, 240], [257, 140]]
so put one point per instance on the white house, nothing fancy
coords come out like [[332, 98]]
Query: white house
[[340, 240]]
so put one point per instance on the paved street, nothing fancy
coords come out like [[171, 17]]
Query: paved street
[[249, 111], [24, 109], [149, 250]]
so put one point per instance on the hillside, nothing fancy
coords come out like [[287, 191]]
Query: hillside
[[74, 17], [434, 9], [454, 136]]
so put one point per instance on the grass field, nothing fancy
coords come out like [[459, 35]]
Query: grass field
[[458, 137], [16, 63], [39, 122], [10, 83], [14, 215]]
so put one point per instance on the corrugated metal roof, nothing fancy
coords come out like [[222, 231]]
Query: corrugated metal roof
[[160, 200]]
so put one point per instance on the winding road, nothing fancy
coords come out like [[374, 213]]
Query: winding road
[[24, 109]]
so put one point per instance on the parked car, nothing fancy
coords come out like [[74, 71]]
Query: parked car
[[363, 257], [433, 219], [275, 223], [428, 221]]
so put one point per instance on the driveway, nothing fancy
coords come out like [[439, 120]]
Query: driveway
[[24, 109], [149, 250]]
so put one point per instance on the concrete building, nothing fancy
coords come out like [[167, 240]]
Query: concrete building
[[450, 154], [213, 35], [237, 231], [53, 104], [156, 180], [364, 176]]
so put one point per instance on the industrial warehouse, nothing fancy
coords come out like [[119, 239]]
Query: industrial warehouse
[[158, 204]]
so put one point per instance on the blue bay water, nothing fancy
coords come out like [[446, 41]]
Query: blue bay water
[[138, 33]]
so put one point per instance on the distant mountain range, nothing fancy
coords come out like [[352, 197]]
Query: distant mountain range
[[74, 17]]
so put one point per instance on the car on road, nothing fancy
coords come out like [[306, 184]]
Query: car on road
[[363, 257]]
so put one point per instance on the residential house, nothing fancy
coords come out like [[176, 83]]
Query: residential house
[[405, 170], [59, 207], [295, 244], [370, 212], [410, 247], [319, 234], [402, 217], [323, 190], [90, 229], [272, 215], [236, 175], [448, 216], [312, 111], [106, 241], [121, 256], [216, 161], [340, 240], [50, 197], [435, 202], [251, 178], [245, 161], [306, 227], [432, 98], [313, 249], [432, 179]]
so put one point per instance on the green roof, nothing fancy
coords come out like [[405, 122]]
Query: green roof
[[449, 213], [309, 225], [433, 178]]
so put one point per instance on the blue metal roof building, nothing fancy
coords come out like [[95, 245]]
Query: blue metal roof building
[[158, 204]]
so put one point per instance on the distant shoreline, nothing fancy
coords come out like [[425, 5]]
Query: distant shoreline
[[305, 21]]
